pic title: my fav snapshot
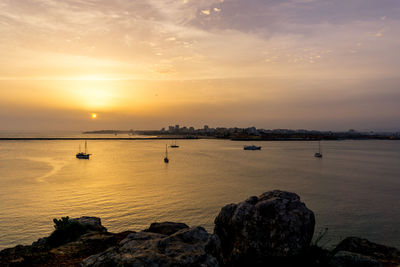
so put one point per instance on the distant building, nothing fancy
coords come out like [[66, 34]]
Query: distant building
[[177, 128], [206, 128], [171, 129], [252, 130]]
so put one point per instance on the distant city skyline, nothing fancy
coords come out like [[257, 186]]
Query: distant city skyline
[[312, 64]]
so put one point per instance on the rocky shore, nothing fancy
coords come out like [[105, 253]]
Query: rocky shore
[[274, 229]]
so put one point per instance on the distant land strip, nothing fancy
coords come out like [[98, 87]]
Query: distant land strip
[[253, 134], [188, 138], [88, 138]]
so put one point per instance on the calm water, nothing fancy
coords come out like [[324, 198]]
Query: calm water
[[353, 190]]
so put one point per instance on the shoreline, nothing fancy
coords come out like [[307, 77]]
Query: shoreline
[[274, 229], [88, 138], [178, 138]]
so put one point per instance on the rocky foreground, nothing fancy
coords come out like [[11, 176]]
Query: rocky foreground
[[274, 229]]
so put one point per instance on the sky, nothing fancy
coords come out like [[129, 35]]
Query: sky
[[147, 64]]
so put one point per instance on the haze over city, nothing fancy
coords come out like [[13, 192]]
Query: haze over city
[[314, 64]]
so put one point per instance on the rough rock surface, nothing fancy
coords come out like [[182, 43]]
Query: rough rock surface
[[274, 225], [350, 259], [183, 248], [93, 223], [69, 254], [166, 228], [274, 229], [386, 255]]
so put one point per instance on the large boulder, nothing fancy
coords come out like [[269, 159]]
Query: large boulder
[[186, 247], [263, 229]]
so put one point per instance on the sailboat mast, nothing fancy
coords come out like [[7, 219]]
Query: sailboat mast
[[166, 151], [319, 146], [85, 146]]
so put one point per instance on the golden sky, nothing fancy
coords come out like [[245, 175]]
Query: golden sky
[[147, 64]]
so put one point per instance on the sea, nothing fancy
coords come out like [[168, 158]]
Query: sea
[[354, 190]]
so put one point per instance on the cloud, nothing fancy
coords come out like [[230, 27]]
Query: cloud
[[380, 33], [259, 56], [194, 35]]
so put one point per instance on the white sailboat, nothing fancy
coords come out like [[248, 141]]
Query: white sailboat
[[166, 160], [319, 153]]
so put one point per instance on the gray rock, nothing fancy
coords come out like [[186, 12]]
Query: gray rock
[[183, 248], [87, 244], [166, 228], [69, 254], [274, 225], [93, 223], [385, 254], [350, 259]]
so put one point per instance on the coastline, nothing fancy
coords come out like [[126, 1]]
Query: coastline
[[274, 229], [87, 138], [182, 138]]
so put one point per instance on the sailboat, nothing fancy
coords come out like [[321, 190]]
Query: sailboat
[[318, 154], [166, 160], [174, 145], [83, 155]]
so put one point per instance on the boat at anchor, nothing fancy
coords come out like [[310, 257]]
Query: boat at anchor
[[174, 145], [166, 160], [252, 147], [83, 155], [319, 153]]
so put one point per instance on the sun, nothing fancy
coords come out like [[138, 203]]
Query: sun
[[94, 115]]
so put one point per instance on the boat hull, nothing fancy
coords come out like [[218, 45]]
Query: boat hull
[[252, 148], [82, 156]]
